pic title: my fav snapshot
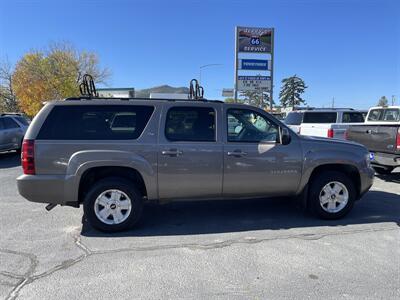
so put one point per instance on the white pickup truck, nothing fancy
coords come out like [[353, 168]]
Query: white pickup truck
[[330, 123]]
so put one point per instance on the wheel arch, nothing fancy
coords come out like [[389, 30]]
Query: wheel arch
[[94, 174], [349, 170]]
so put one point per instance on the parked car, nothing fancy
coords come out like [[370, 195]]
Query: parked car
[[381, 135], [330, 123], [180, 150], [12, 130]]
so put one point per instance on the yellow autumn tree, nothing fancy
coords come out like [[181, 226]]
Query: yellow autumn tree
[[53, 74]]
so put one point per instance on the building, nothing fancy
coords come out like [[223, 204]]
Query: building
[[117, 92]]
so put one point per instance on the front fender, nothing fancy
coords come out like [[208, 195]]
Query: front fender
[[316, 158], [82, 161]]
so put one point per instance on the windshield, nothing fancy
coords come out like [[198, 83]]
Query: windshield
[[294, 118]]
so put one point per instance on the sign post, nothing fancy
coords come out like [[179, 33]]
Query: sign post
[[254, 51]]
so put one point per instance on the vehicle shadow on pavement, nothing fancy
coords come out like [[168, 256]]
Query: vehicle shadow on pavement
[[9, 159], [247, 215], [393, 177]]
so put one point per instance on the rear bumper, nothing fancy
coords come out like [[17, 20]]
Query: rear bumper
[[386, 159], [45, 188]]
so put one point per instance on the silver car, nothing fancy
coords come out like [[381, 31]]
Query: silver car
[[12, 131]]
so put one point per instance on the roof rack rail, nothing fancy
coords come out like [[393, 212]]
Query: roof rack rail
[[138, 99], [10, 114]]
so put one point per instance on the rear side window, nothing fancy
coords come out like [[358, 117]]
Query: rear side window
[[353, 117], [190, 124], [10, 123], [22, 120], [294, 118], [320, 117], [95, 122]]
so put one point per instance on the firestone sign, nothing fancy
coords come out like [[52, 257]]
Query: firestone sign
[[257, 40]]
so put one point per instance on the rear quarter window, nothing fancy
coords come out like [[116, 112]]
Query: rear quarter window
[[294, 118], [320, 117], [95, 122], [353, 117]]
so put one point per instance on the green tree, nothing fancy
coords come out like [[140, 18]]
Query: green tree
[[383, 101], [8, 100], [51, 74], [229, 100], [255, 98], [291, 91]]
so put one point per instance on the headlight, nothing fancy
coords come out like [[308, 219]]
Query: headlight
[[368, 159]]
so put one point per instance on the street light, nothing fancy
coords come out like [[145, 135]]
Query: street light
[[206, 66]]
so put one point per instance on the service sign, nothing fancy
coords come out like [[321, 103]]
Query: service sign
[[254, 83], [252, 39]]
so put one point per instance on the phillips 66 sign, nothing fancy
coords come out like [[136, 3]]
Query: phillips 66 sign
[[257, 40]]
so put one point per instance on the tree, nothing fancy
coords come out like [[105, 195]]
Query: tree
[[383, 101], [291, 91], [255, 98], [229, 100], [53, 74], [8, 100]]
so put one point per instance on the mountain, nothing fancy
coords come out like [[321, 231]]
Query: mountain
[[145, 93]]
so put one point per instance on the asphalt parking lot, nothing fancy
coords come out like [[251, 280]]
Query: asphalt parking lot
[[264, 249]]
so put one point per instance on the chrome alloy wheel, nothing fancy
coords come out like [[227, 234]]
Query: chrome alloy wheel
[[333, 197], [112, 207]]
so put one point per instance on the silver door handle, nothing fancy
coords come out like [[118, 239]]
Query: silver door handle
[[236, 153], [172, 152]]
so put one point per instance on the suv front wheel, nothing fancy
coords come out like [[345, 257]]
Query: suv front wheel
[[332, 195], [113, 204]]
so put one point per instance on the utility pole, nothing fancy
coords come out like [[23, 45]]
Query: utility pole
[[333, 102], [393, 100]]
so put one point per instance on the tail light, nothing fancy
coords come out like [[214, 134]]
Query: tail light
[[398, 139], [330, 133], [28, 157]]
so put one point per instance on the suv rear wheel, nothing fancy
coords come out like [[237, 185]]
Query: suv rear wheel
[[113, 204], [332, 195]]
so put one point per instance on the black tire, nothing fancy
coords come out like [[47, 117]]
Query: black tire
[[316, 187], [383, 171], [113, 183]]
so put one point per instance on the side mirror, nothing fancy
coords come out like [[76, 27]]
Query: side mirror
[[285, 136]]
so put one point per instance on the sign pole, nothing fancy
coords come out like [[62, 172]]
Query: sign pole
[[236, 63], [272, 66]]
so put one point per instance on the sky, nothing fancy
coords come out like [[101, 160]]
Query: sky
[[348, 50]]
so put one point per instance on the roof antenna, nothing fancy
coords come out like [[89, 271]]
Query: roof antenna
[[196, 92], [87, 86]]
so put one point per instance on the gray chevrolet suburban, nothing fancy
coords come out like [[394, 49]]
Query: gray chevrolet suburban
[[113, 155]]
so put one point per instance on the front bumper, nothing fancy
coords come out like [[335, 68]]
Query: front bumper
[[366, 180]]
